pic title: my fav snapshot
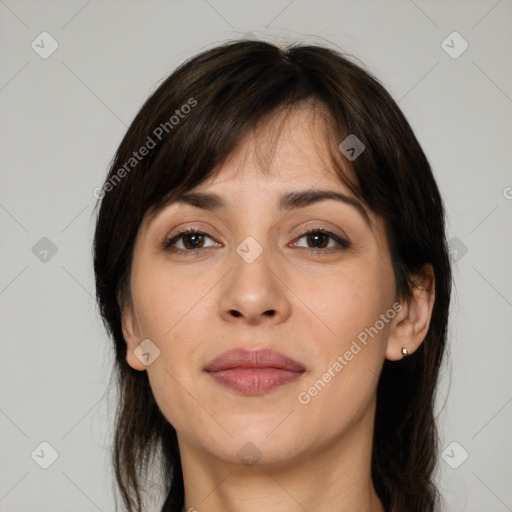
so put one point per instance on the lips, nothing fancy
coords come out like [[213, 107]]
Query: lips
[[253, 372], [241, 358]]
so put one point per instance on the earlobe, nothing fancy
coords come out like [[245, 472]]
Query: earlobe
[[132, 338], [410, 326]]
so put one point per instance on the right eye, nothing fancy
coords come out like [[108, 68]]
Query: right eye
[[190, 239]]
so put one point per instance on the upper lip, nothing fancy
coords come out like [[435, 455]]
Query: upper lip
[[243, 358]]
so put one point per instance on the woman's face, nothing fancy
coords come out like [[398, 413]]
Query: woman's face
[[254, 281]]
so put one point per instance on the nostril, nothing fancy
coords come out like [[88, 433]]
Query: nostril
[[270, 312], [236, 313]]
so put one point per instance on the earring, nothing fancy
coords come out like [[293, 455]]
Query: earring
[[405, 352]]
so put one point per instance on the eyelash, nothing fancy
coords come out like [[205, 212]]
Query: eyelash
[[342, 243]]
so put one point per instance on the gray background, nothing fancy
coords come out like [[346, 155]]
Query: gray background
[[62, 119]]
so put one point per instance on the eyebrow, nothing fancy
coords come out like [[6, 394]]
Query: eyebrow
[[288, 201]]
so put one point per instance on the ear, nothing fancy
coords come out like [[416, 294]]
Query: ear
[[410, 325], [131, 336]]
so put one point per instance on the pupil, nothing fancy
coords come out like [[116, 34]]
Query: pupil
[[195, 240], [316, 237]]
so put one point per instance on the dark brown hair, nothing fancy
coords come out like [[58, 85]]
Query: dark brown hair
[[189, 126]]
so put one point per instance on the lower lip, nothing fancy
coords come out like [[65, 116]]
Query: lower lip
[[254, 381]]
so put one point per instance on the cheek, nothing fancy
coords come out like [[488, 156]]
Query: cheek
[[165, 299], [341, 402], [172, 312], [343, 304], [344, 380], [350, 341]]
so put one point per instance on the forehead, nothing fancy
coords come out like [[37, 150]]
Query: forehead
[[291, 147], [292, 144]]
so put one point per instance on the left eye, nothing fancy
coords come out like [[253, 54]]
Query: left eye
[[320, 240]]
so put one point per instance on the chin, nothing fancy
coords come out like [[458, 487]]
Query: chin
[[258, 453], [262, 439]]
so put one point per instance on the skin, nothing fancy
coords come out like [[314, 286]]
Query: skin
[[195, 306]]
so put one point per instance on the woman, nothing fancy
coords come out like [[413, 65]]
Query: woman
[[271, 263]]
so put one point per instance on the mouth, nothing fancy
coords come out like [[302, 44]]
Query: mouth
[[254, 372]]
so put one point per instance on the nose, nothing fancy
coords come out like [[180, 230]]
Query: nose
[[254, 293]]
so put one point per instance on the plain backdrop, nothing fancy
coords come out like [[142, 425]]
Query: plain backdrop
[[73, 74]]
